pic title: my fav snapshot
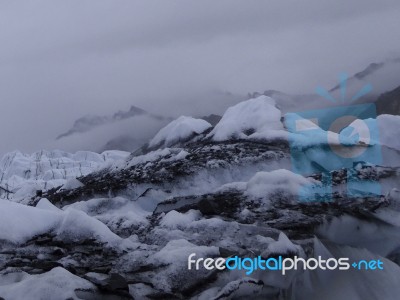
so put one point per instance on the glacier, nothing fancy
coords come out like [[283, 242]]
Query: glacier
[[120, 225]]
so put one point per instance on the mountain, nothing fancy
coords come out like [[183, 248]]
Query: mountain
[[212, 119], [123, 130], [373, 67], [129, 130], [122, 142], [126, 229], [89, 122], [389, 103], [381, 76], [363, 75]]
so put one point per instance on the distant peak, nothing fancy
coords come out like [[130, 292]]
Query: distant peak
[[133, 111], [137, 109], [89, 122], [369, 70]]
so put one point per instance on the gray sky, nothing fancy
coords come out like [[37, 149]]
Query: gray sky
[[60, 60]]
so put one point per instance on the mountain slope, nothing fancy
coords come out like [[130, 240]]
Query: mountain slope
[[128, 229], [90, 122], [124, 130], [389, 103]]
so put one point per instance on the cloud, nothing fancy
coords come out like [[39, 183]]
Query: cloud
[[60, 60]]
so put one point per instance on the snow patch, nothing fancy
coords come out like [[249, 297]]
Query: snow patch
[[20, 223], [175, 220], [55, 284], [256, 118], [71, 184], [179, 130], [47, 205], [22, 174], [264, 184], [282, 246]]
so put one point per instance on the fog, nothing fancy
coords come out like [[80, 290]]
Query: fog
[[60, 60]]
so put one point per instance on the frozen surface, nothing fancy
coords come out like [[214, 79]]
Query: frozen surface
[[23, 174], [264, 184], [128, 223], [175, 220], [57, 284], [256, 118], [20, 223], [179, 130]]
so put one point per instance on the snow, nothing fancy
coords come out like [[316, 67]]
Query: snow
[[163, 241], [57, 284], [20, 223], [256, 118], [172, 263], [47, 205], [23, 174], [377, 238], [71, 184], [389, 130], [239, 186], [238, 289], [264, 184], [181, 155], [282, 246], [167, 154], [308, 133], [179, 130], [117, 213], [384, 130], [177, 252], [303, 132], [113, 155], [175, 220], [76, 226], [280, 184], [149, 157]]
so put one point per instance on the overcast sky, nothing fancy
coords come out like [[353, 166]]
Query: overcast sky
[[60, 60]]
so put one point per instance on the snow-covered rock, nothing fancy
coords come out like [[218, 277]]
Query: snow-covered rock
[[47, 205], [57, 284], [71, 184], [282, 246], [175, 220], [256, 118], [266, 184], [20, 223], [179, 130], [240, 288]]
